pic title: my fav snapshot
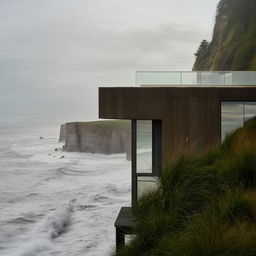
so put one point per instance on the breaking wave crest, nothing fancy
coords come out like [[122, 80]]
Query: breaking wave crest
[[54, 224], [39, 240]]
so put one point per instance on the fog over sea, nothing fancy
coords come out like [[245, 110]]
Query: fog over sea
[[55, 205]]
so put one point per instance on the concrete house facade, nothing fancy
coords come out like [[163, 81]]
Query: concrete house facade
[[173, 113]]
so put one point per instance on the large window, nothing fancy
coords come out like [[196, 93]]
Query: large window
[[235, 114], [231, 117], [144, 146], [146, 156], [249, 110]]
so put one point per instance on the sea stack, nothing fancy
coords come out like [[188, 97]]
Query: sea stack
[[103, 137]]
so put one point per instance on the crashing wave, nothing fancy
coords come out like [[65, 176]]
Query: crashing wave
[[39, 240]]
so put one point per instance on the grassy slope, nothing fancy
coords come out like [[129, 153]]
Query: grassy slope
[[233, 46], [205, 205]]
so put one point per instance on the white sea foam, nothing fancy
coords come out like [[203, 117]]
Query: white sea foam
[[58, 206]]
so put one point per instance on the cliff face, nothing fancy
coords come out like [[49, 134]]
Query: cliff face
[[62, 133], [233, 45], [105, 137]]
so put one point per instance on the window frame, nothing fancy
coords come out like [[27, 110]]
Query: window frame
[[156, 155], [243, 102]]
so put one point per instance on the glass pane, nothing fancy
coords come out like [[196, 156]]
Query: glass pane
[[128, 238], [212, 78], [231, 117], [249, 110], [169, 78], [190, 78], [243, 77], [144, 146], [146, 184], [228, 78]]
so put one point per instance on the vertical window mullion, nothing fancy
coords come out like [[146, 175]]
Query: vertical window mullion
[[134, 163], [157, 147]]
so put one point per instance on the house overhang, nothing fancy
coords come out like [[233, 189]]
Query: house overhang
[[158, 102]]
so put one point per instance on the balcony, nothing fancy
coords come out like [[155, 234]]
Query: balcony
[[195, 78]]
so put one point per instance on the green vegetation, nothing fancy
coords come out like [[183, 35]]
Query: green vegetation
[[233, 46], [205, 205]]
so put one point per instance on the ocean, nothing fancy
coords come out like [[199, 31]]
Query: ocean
[[54, 202]]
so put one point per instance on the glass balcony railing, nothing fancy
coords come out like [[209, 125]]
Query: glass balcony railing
[[194, 78]]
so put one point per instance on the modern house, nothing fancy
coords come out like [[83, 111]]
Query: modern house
[[173, 113]]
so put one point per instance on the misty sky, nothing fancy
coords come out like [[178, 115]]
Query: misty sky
[[54, 54]]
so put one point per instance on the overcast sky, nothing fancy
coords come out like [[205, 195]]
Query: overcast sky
[[54, 54]]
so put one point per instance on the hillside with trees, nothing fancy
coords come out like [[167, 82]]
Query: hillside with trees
[[233, 45]]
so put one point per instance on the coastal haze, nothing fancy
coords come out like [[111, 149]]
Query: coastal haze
[[54, 56], [55, 53]]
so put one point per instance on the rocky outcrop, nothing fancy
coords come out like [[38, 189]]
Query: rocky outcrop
[[105, 137]]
